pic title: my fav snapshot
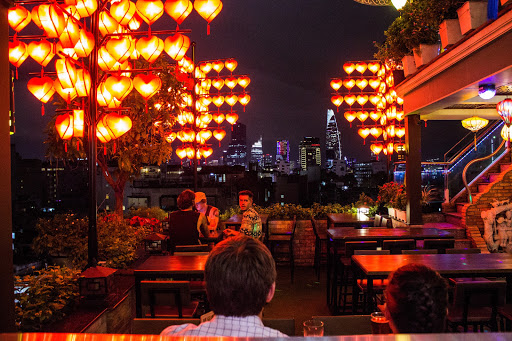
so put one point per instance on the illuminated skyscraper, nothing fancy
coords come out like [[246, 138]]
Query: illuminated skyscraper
[[283, 150], [257, 151], [309, 151], [332, 140], [237, 149]]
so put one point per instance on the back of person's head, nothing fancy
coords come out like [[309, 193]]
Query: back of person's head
[[416, 300], [239, 274], [186, 199], [246, 192]]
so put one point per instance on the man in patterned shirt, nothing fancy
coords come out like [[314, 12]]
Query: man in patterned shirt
[[251, 222], [240, 276]]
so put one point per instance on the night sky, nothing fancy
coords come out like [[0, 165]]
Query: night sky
[[290, 49]]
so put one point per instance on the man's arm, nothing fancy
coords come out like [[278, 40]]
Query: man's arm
[[214, 218]]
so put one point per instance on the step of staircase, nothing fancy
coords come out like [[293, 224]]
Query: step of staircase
[[493, 177], [454, 218], [504, 166], [458, 231], [482, 187], [463, 244], [459, 206]]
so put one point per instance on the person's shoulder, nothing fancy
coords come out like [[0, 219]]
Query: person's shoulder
[[178, 329]]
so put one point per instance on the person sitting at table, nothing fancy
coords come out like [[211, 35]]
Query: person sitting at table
[[240, 276], [416, 300], [251, 221], [211, 212], [187, 225]]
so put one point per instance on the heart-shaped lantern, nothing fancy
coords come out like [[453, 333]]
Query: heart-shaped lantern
[[176, 46], [78, 123], [231, 82], [231, 118], [178, 9], [18, 17], [391, 113], [218, 65], [400, 132], [205, 67], [390, 129], [362, 115], [350, 99], [86, 7], [107, 24], [103, 96], [41, 51], [205, 118], [361, 67], [85, 44], [206, 151], [389, 148], [218, 83], [336, 84], [350, 115], [231, 100], [231, 64], [337, 100], [399, 147], [362, 99], [374, 67], [349, 67], [64, 126], [41, 88], [208, 9], [114, 125], [219, 134], [150, 48], [34, 14], [363, 132], [68, 94], [374, 83], [186, 65], [244, 81], [376, 148], [18, 52], [147, 85], [190, 153], [376, 131], [374, 99], [66, 72], [105, 61], [400, 115], [170, 137], [349, 83], [361, 83], [181, 152], [83, 83], [205, 100], [65, 52], [120, 48], [375, 115], [383, 120], [244, 99], [119, 87], [135, 23], [123, 11], [71, 33], [218, 100], [205, 134], [218, 118], [52, 20], [150, 10]]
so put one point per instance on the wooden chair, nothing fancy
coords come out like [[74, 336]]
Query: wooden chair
[[378, 285], [462, 251], [167, 298], [285, 238], [346, 325], [420, 252], [377, 220], [320, 231], [476, 303], [396, 246], [440, 244], [386, 222]]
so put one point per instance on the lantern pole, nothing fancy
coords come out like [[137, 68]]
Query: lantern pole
[[194, 112]]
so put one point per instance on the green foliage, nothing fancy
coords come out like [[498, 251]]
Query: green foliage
[[45, 297], [287, 212], [392, 194], [321, 211], [146, 212], [230, 211], [66, 235]]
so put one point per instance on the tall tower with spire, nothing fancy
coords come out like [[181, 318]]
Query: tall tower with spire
[[332, 140]]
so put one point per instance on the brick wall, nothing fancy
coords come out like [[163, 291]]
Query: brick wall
[[303, 245]]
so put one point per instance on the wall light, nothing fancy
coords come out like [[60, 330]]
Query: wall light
[[399, 3], [486, 91]]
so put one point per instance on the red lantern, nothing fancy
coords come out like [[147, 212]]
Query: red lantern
[[181, 152], [362, 99], [41, 88], [18, 17], [147, 85], [105, 60], [362, 115], [218, 118], [336, 84], [364, 132], [150, 48], [17, 52], [71, 34], [41, 51], [374, 66], [86, 7], [361, 83], [244, 81], [218, 83], [349, 83], [231, 118], [376, 148], [350, 116], [231, 82], [231, 99], [337, 100], [150, 10], [85, 44], [176, 46], [112, 126], [208, 9], [349, 68], [83, 83], [206, 151], [218, 65], [350, 99], [119, 87], [123, 11], [361, 67], [219, 134], [78, 123], [178, 9], [52, 20], [504, 109], [120, 48], [64, 126], [107, 24], [231, 64], [66, 72], [244, 99]]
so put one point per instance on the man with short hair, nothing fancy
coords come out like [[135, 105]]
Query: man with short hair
[[240, 276], [211, 212], [251, 222]]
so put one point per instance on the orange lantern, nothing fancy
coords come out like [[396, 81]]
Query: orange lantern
[[400, 132], [103, 96], [337, 100], [218, 118], [374, 99], [112, 126], [52, 20], [41, 88], [123, 11], [399, 100], [349, 68], [376, 131], [336, 84], [205, 67], [150, 10], [68, 94], [71, 33], [376, 148], [218, 65], [231, 82], [231, 99], [364, 132], [390, 130], [374, 67], [170, 137], [361, 83], [244, 81], [218, 83], [85, 44], [86, 7], [190, 152], [176, 46], [178, 10], [362, 99], [208, 9], [34, 14], [362, 116], [147, 85], [64, 126], [231, 64], [134, 24], [361, 67], [78, 123], [119, 87], [374, 83], [205, 134], [375, 115], [206, 151], [400, 115], [66, 72], [41, 51], [218, 100], [389, 147], [219, 134], [105, 60], [350, 116], [120, 48], [181, 152], [244, 99], [19, 17], [205, 118], [399, 147], [350, 99], [107, 24], [65, 52], [17, 52], [150, 48], [83, 83], [231, 118], [349, 83]]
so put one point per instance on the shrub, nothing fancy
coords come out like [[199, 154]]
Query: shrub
[[45, 297], [392, 194], [154, 212]]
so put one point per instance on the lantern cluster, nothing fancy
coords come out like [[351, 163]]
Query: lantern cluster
[[367, 94], [215, 87], [504, 109]]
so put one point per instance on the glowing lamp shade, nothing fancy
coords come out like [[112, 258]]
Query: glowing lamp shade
[[68, 94], [362, 115], [336, 84], [375, 115], [362, 99], [218, 65], [337, 100], [86, 7], [181, 152], [85, 44], [123, 11], [112, 126], [218, 83], [399, 3], [107, 24], [374, 67], [120, 48], [19, 17], [231, 82], [78, 123], [134, 24], [504, 109], [376, 131], [374, 99], [374, 83], [364, 132], [350, 115], [486, 91], [231, 64], [103, 96], [150, 10], [474, 124], [170, 137], [349, 83], [66, 72], [147, 85], [506, 133], [349, 68], [150, 48], [190, 152], [179, 10], [231, 118], [244, 81], [361, 83], [119, 87], [105, 60], [208, 9], [71, 34], [361, 67], [400, 132], [34, 14], [52, 20], [206, 151], [18, 52], [244, 99], [376, 148], [218, 100], [83, 83], [64, 126], [41, 51], [218, 118], [231, 100], [41, 88], [219, 134], [205, 134], [176, 46], [350, 99], [205, 67]]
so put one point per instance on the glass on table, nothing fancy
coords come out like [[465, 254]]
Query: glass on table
[[380, 324], [313, 328]]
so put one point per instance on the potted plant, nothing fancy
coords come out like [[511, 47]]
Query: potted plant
[[471, 15], [449, 28], [392, 195]]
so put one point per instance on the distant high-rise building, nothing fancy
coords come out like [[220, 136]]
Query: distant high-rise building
[[283, 150], [237, 149], [267, 162], [309, 151], [257, 151], [332, 140]]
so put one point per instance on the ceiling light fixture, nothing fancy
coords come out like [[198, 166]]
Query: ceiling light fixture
[[486, 91]]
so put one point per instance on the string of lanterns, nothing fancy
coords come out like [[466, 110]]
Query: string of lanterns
[[368, 92]]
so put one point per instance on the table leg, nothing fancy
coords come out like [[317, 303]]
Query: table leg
[[328, 281], [369, 307], [138, 301]]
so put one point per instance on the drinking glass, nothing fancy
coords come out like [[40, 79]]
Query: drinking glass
[[380, 324], [313, 328]]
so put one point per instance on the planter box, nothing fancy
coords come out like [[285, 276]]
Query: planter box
[[401, 215], [449, 30], [409, 65], [425, 53], [471, 15], [391, 212]]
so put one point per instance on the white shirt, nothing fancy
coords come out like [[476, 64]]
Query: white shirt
[[249, 326]]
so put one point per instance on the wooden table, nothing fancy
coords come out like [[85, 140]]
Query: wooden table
[[180, 267], [448, 265], [348, 220], [338, 236]]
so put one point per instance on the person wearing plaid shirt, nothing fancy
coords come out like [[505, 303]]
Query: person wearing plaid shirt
[[240, 276]]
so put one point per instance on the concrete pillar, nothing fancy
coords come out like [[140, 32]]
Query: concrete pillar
[[413, 169]]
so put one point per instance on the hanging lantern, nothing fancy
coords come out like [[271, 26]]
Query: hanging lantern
[[399, 148], [205, 67], [506, 133], [17, 52], [374, 99], [176, 46], [231, 64], [364, 132], [362, 115], [376, 131], [85, 44], [375, 115], [119, 87], [474, 124], [361, 67], [362, 99], [361, 83], [68, 94], [83, 83], [179, 10], [104, 97], [105, 60], [399, 3], [374, 83], [205, 134], [86, 7], [71, 34], [218, 65], [400, 132], [231, 100], [150, 10], [206, 151], [41, 88], [231, 118], [135, 23], [218, 100], [150, 48], [376, 148], [390, 130], [205, 118], [107, 24], [120, 48], [231, 82], [64, 126], [349, 83], [504, 109], [336, 84], [218, 118], [190, 152], [374, 67], [389, 148], [400, 115], [170, 137], [52, 20], [78, 123], [41, 51], [147, 85], [19, 17], [181, 152], [113, 126], [208, 9], [123, 11], [66, 72], [337, 100], [244, 99], [349, 68], [350, 116], [218, 83], [65, 52], [34, 14], [219, 134], [350, 99]]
